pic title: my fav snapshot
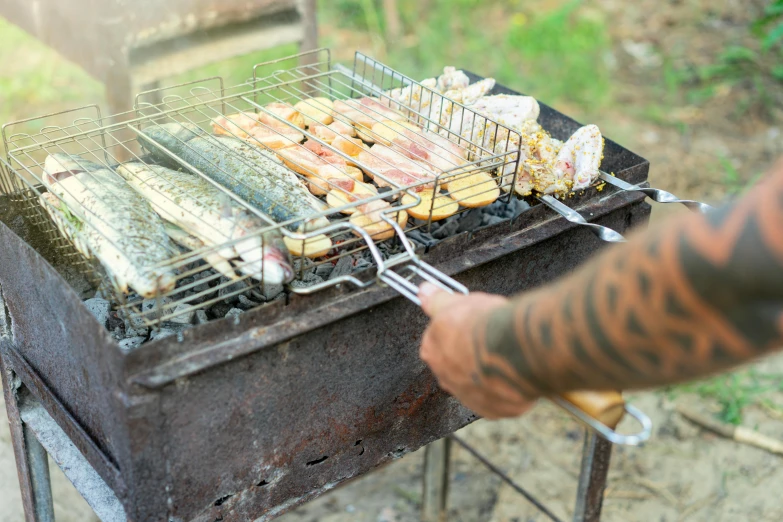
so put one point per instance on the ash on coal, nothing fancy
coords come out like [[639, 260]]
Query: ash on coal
[[470, 221]]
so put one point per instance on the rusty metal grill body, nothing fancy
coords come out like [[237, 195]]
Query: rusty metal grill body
[[248, 418]]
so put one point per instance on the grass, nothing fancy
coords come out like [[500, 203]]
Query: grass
[[734, 392], [557, 55]]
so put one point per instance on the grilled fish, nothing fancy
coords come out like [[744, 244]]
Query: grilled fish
[[213, 259], [246, 170], [122, 232], [204, 211]]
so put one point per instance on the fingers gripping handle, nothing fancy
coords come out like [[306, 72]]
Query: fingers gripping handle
[[600, 411]]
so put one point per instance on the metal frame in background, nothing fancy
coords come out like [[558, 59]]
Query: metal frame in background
[[596, 454]]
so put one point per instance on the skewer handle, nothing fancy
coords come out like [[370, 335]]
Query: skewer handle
[[604, 233], [661, 196], [600, 411]]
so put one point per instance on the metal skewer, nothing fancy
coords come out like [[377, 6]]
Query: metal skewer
[[605, 233], [661, 196]]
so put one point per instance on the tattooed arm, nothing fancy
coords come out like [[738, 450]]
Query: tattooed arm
[[690, 298]]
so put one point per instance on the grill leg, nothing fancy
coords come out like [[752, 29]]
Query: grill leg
[[32, 465], [592, 478], [437, 457]]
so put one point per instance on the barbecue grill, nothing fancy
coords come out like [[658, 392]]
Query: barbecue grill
[[250, 417]]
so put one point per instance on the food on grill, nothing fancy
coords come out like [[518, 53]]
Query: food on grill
[[246, 126], [113, 222], [368, 217], [429, 148], [441, 208], [580, 157], [205, 212], [329, 132], [319, 164], [365, 112], [317, 246], [316, 110], [394, 166], [339, 197], [282, 111], [212, 258], [477, 189], [350, 146], [246, 170]]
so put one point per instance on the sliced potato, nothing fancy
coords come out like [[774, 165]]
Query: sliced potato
[[355, 172], [320, 185], [378, 229], [385, 132], [338, 198], [283, 111], [473, 190], [442, 208], [350, 146], [317, 246], [316, 110], [365, 134]]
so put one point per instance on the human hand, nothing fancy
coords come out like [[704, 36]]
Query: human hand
[[449, 347]]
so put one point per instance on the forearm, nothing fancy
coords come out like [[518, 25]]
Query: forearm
[[686, 300]]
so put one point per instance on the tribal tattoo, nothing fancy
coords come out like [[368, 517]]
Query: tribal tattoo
[[689, 299]]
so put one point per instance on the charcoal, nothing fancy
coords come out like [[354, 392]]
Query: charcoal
[[268, 292], [361, 264], [203, 286], [99, 308], [246, 304], [219, 310], [492, 220], [130, 343], [226, 292], [162, 333], [235, 313], [201, 317], [309, 279], [114, 321], [135, 327], [344, 266], [152, 304], [448, 228], [324, 270], [470, 221], [117, 333], [183, 314]]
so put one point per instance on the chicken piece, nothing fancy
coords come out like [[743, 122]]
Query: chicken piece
[[238, 124], [413, 96], [284, 111], [274, 137], [364, 112], [394, 166], [329, 133], [435, 151], [580, 157], [452, 79]]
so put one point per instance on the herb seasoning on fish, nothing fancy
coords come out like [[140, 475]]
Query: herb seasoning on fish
[[243, 168], [122, 232]]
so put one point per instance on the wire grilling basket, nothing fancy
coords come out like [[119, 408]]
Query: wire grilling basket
[[202, 192], [419, 171]]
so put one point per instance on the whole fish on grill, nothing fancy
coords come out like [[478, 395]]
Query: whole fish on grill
[[117, 225], [202, 210], [246, 170], [188, 242]]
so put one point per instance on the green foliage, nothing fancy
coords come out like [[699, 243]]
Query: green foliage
[[564, 53], [736, 391], [736, 184]]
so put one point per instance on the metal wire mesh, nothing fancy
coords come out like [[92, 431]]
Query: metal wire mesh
[[311, 126]]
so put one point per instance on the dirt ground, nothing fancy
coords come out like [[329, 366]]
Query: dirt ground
[[683, 473]]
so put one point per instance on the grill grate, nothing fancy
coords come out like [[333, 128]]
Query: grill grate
[[418, 166]]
